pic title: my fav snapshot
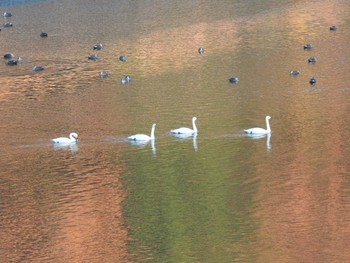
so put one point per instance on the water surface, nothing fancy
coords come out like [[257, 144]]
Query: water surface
[[219, 197]]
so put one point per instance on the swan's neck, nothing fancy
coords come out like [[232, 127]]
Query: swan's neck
[[268, 125], [72, 138], [152, 132], [194, 125]]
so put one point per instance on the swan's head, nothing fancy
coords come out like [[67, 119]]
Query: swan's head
[[194, 118], [74, 135], [268, 117], [154, 125]]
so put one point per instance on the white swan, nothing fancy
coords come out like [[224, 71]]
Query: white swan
[[184, 130], [73, 138], [260, 130], [143, 137]]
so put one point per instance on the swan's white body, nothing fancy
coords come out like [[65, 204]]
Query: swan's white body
[[143, 137], [260, 130], [188, 131], [73, 138]]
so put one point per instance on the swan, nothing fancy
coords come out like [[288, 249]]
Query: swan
[[143, 137], [73, 138], [184, 130], [260, 130]]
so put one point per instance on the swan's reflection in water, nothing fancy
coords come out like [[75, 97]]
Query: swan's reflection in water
[[73, 147], [259, 136], [143, 144], [186, 137]]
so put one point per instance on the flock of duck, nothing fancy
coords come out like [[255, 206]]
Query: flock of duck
[[183, 131]]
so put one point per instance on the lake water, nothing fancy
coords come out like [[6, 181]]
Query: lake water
[[218, 197]]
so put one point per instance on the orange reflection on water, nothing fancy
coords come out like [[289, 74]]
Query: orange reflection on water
[[174, 48], [68, 213]]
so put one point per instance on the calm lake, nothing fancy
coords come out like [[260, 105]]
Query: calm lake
[[220, 196]]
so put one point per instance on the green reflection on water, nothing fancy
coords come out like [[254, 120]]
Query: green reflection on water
[[187, 206]]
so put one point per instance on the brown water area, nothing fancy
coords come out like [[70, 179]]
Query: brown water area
[[219, 196]]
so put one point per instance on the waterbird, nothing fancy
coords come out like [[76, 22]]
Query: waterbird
[[8, 24], [200, 50], [333, 28], [294, 73], [307, 46], [143, 137], [122, 58], [260, 130], [103, 74], [184, 130], [38, 68], [92, 57], [233, 80], [73, 138], [125, 80], [7, 14], [9, 56], [312, 81], [312, 60], [11, 62], [43, 34], [98, 46]]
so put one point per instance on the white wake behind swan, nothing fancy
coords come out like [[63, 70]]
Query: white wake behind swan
[[143, 137], [188, 131], [73, 138], [260, 130]]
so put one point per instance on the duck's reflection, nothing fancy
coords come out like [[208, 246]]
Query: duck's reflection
[[259, 136], [187, 137]]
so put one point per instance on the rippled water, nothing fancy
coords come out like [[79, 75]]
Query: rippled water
[[217, 197]]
